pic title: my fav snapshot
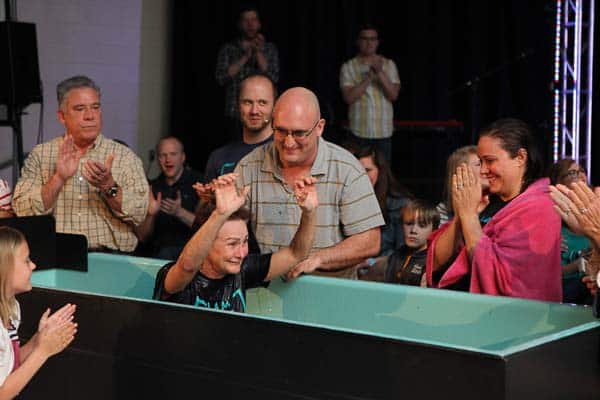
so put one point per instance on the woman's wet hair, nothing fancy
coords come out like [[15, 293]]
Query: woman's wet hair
[[515, 135]]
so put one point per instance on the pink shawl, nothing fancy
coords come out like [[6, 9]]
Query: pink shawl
[[518, 254]]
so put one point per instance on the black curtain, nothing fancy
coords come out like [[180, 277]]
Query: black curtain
[[469, 60]]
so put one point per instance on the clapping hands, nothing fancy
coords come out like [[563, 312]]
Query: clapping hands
[[466, 191], [56, 331], [259, 42], [171, 206], [99, 174], [377, 65], [68, 158], [376, 68], [579, 207]]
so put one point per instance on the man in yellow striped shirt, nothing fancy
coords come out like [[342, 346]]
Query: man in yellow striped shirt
[[370, 84]]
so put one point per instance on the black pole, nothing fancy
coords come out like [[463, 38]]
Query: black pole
[[14, 109], [17, 145], [7, 11], [475, 111]]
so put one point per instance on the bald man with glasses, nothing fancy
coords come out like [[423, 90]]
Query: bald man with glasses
[[349, 219]]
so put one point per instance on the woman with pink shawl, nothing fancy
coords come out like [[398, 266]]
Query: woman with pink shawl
[[511, 248]]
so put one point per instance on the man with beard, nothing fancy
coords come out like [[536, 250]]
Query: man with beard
[[248, 54], [257, 97], [171, 205]]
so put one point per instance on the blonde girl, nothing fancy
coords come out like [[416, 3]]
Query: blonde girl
[[18, 363]]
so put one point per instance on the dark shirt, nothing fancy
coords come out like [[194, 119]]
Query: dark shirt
[[169, 231], [406, 268], [496, 204], [227, 293], [392, 234], [224, 159]]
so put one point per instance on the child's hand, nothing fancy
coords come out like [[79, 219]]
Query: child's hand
[[54, 339], [65, 314]]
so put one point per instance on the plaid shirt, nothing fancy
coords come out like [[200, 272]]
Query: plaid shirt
[[347, 203], [81, 208], [231, 53], [372, 115]]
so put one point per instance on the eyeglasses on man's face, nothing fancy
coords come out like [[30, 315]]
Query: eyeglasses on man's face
[[297, 134]]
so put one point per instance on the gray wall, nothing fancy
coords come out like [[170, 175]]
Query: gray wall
[[122, 45]]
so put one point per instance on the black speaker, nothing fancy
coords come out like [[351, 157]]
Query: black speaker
[[19, 69], [40, 232]]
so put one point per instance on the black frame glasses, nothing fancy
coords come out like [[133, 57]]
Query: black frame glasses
[[574, 173], [298, 134]]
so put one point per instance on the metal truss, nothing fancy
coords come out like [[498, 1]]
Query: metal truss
[[573, 79]]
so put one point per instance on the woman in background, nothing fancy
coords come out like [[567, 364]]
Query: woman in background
[[467, 155], [390, 195], [573, 246], [579, 208]]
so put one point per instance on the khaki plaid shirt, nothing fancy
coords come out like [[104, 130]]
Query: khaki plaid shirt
[[372, 115], [80, 207]]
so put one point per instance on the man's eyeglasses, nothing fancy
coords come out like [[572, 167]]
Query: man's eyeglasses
[[298, 134], [574, 173]]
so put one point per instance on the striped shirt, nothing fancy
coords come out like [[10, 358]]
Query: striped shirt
[[372, 115], [347, 203], [80, 207]]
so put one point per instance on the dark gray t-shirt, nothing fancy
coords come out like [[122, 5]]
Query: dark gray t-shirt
[[227, 293]]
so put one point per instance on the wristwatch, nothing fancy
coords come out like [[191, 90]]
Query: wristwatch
[[112, 191]]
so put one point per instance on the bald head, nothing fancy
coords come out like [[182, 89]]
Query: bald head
[[297, 127], [171, 158], [258, 79], [298, 101], [172, 139]]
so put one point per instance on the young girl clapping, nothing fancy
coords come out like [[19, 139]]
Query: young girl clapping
[[55, 332]]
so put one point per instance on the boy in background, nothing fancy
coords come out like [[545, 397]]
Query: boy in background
[[407, 264]]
